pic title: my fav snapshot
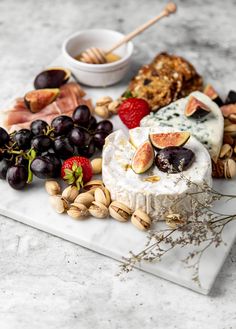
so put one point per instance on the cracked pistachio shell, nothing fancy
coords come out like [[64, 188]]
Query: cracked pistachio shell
[[70, 193], [59, 204], [119, 211], [104, 100], [102, 111], [102, 195], [98, 210], [226, 151], [231, 129], [85, 198], [229, 168], [141, 220], [174, 220], [92, 185], [52, 187], [77, 211]]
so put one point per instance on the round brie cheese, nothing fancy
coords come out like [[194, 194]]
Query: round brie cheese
[[154, 190]]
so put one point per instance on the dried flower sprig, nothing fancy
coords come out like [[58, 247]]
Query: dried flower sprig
[[199, 227]]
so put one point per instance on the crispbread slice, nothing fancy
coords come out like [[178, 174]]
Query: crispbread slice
[[166, 79]]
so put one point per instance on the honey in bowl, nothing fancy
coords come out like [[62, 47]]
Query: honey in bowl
[[110, 58]]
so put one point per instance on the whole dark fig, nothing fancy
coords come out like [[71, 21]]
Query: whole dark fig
[[174, 159], [53, 77], [231, 97]]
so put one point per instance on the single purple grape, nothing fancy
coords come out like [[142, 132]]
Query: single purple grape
[[104, 126], [81, 115], [62, 125], [17, 177]]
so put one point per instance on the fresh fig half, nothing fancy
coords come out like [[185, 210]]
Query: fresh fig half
[[195, 108], [211, 92], [162, 140], [53, 77], [36, 100], [174, 159], [143, 158]]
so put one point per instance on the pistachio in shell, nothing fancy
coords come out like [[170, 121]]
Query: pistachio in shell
[[229, 168], [141, 220], [143, 158], [213, 95], [36, 100], [162, 140], [92, 185], [119, 211], [53, 77], [196, 109]]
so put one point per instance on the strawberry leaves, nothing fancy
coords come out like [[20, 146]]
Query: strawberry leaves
[[74, 176]]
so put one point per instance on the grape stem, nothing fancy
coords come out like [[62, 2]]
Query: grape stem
[[48, 131], [31, 156]]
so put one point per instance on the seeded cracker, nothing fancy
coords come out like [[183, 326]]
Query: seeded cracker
[[166, 79]]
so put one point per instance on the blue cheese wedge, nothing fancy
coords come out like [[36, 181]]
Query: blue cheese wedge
[[208, 130], [153, 190]]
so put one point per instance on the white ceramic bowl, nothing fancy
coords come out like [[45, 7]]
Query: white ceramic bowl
[[97, 75]]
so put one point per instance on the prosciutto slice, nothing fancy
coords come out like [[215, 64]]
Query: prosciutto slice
[[71, 95]]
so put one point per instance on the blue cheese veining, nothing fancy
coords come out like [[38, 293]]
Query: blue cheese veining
[[208, 130]]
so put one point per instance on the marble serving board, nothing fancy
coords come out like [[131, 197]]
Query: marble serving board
[[112, 238]]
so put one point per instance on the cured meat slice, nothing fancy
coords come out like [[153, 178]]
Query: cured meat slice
[[19, 116]]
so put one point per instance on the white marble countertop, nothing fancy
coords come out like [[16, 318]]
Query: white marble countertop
[[46, 282]]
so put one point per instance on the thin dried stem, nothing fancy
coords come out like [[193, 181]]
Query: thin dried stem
[[202, 229]]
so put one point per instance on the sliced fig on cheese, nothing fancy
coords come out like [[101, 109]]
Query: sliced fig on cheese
[[162, 140], [143, 158], [211, 92], [36, 100], [196, 109]]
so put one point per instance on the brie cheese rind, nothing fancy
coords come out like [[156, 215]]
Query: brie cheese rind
[[208, 130], [153, 190]]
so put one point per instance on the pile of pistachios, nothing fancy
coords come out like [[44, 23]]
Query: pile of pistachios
[[106, 107], [225, 167], [94, 200]]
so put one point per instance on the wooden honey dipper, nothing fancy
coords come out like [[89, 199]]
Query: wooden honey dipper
[[98, 56]]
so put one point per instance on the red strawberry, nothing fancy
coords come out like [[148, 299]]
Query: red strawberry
[[76, 170], [132, 110]]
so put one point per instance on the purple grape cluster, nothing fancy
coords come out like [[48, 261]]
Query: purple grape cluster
[[41, 149]]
